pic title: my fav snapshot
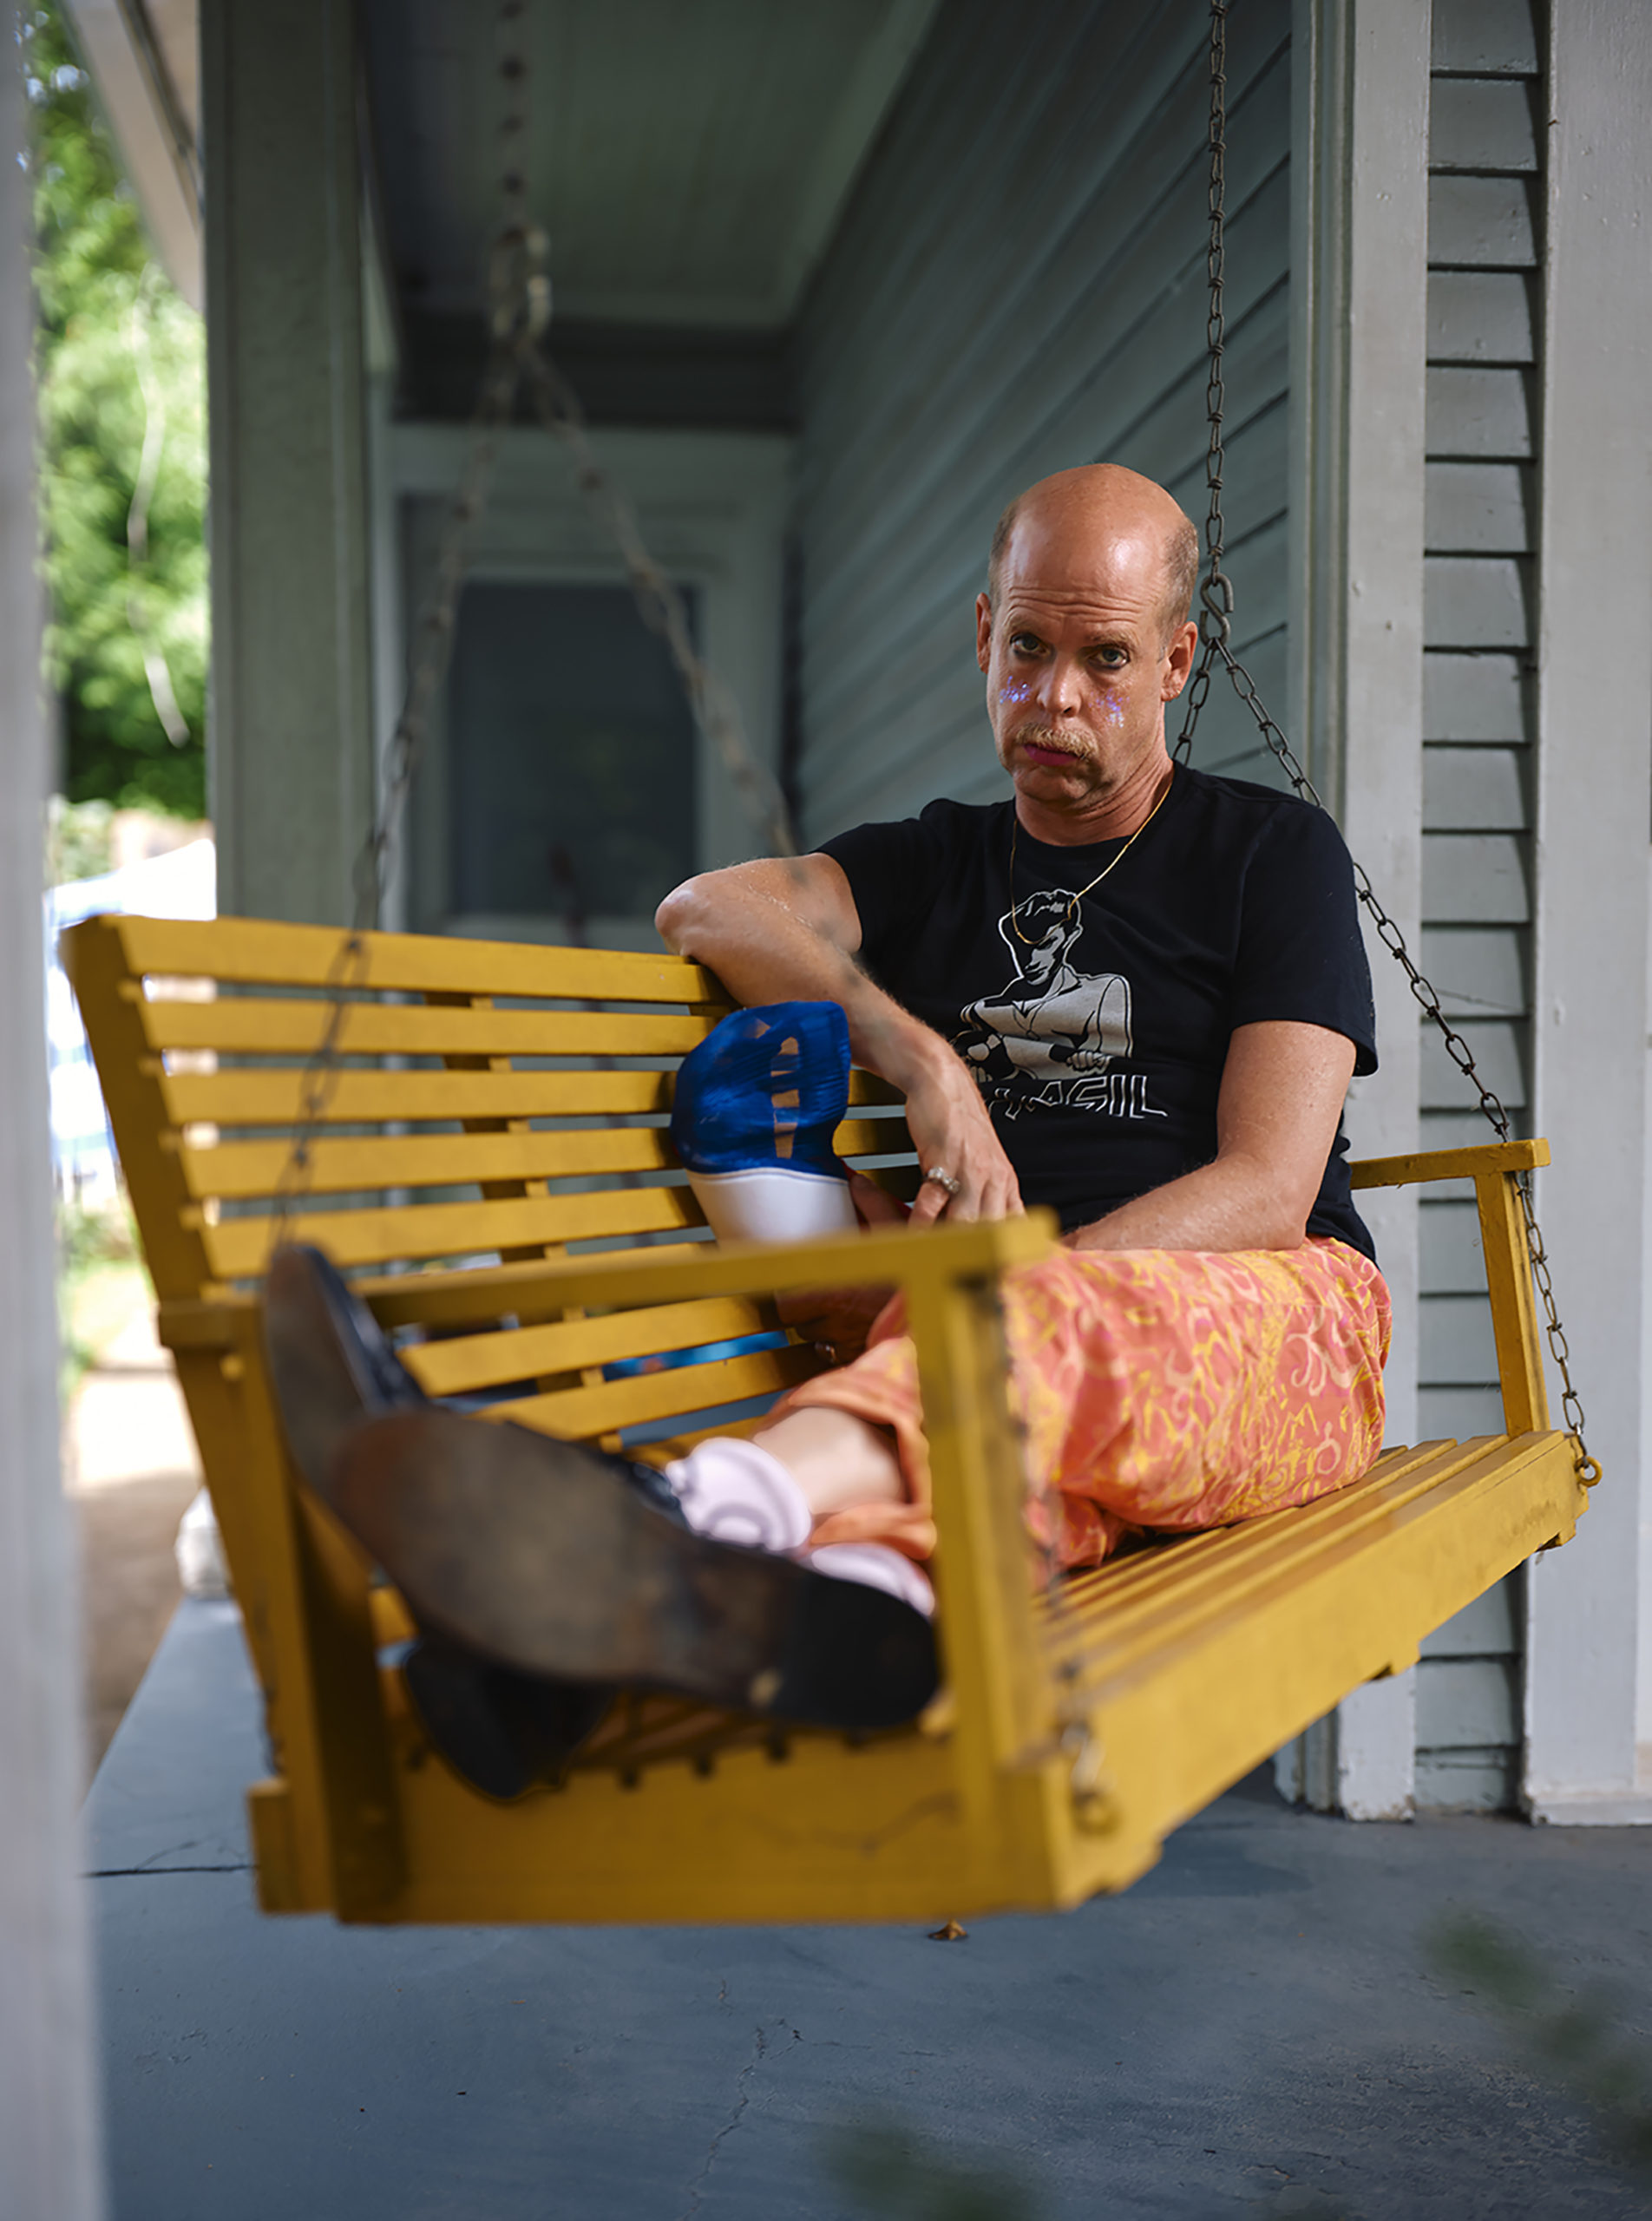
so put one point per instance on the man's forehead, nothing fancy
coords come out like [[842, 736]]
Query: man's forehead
[[1073, 539], [1105, 580]]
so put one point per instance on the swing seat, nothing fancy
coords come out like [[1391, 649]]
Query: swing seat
[[491, 1161]]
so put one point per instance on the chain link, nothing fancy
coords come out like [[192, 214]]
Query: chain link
[[1216, 627]]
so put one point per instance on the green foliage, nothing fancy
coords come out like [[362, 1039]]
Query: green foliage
[[889, 2170], [79, 840], [122, 414], [90, 1235], [1575, 2040], [94, 1243]]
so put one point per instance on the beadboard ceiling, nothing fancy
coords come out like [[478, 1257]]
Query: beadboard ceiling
[[688, 162]]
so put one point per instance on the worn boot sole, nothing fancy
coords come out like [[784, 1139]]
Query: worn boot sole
[[322, 1379], [541, 1556], [500, 1731]]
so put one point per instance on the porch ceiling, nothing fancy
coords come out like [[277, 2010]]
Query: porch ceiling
[[688, 163]]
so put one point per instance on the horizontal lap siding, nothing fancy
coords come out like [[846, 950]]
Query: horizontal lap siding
[[1018, 286], [1484, 245]]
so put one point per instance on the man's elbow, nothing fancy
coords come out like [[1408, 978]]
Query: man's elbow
[[1289, 1231], [683, 918], [1276, 1211], [1291, 1211]]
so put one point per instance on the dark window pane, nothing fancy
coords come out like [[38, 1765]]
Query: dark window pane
[[571, 753]]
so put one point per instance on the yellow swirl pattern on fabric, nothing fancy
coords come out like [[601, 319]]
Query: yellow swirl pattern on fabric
[[1158, 1389]]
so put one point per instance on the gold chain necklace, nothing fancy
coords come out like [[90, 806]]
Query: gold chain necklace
[[1072, 906]]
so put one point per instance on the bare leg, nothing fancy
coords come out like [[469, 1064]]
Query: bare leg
[[837, 1459]]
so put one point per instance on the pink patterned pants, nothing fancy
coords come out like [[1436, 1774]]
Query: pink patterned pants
[[1158, 1389]]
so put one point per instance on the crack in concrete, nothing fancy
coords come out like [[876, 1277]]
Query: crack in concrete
[[742, 2099], [170, 1851], [114, 1873]]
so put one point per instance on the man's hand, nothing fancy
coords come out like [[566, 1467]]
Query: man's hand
[[952, 1132], [787, 929]]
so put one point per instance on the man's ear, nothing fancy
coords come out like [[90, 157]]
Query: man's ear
[[983, 631], [1182, 646]]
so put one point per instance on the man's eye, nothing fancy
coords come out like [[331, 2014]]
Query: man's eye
[[1112, 659], [1026, 644]]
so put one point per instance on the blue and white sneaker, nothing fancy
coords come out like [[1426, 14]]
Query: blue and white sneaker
[[756, 1108]]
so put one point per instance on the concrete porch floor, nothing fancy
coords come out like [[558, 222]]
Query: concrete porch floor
[[1254, 2029]]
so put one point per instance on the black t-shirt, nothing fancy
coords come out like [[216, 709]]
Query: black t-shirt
[[1098, 1033]]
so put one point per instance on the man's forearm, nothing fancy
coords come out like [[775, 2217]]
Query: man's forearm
[[763, 951], [1282, 1086], [1231, 1203]]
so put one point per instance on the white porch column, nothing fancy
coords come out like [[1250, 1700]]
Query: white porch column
[[1594, 806], [289, 733], [50, 2167], [1359, 282]]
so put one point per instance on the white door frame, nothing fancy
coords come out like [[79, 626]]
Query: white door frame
[[712, 507]]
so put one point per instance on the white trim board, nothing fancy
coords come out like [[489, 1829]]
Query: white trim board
[[1359, 264], [1594, 803], [133, 72], [1625, 1808]]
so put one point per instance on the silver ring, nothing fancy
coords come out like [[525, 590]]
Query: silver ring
[[938, 1176]]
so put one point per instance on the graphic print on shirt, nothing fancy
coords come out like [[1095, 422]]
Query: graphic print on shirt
[[1049, 1038]]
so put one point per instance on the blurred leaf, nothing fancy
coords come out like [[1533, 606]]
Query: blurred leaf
[[890, 2171], [1576, 2038]]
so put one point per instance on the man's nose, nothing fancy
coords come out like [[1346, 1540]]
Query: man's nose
[[1061, 690]]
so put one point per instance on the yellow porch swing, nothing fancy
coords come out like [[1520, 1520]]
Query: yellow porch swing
[[1076, 1728]]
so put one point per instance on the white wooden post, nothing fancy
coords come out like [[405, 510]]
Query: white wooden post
[[1359, 284], [1594, 806], [290, 741], [50, 2167]]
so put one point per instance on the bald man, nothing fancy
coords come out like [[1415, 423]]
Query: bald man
[[1133, 991]]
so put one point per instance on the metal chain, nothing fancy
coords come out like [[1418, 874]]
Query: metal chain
[[1216, 588], [1216, 627], [519, 311]]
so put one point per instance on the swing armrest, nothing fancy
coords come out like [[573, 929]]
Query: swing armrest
[[1494, 1167], [1482, 1160], [878, 1257], [946, 1274]]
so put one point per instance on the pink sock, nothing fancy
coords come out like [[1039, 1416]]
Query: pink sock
[[733, 1492]]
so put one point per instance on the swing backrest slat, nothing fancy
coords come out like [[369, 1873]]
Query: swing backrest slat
[[478, 1109]]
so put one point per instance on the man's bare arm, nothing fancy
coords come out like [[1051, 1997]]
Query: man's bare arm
[[1281, 1094], [785, 929]]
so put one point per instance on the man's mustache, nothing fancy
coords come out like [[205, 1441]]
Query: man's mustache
[[1041, 735]]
